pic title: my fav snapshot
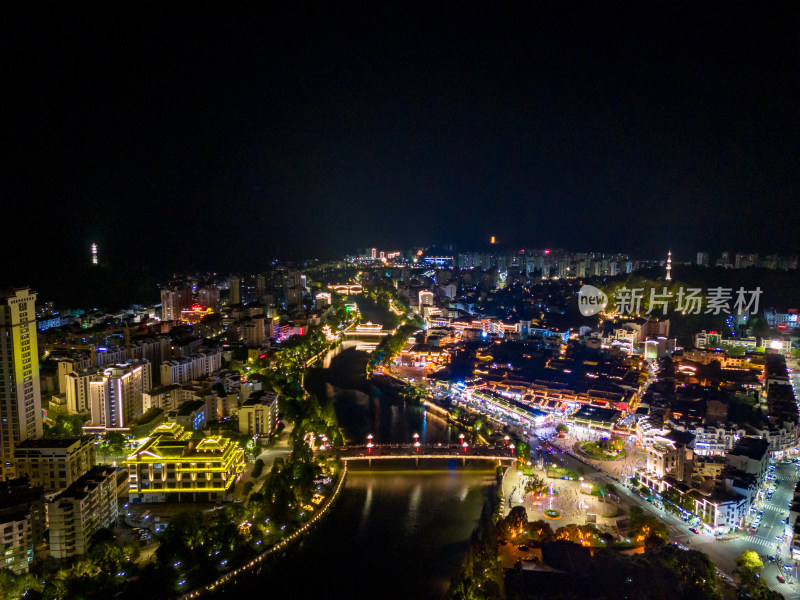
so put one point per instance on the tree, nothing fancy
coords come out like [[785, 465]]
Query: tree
[[641, 526], [258, 467], [55, 590], [14, 586], [63, 425], [653, 544], [540, 530], [115, 441], [515, 522], [523, 451], [616, 445], [534, 485], [747, 567], [561, 429]]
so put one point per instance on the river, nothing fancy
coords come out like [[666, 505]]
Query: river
[[397, 531]]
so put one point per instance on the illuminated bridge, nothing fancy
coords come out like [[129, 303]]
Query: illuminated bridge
[[346, 289], [368, 329], [367, 334], [423, 451]]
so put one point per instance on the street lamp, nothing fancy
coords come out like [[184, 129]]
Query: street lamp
[[369, 444], [464, 444], [512, 446], [506, 439], [461, 437], [416, 445]]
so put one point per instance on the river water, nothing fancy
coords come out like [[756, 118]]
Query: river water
[[398, 530]]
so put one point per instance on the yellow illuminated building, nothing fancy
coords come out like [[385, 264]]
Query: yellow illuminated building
[[195, 313], [171, 466], [20, 395]]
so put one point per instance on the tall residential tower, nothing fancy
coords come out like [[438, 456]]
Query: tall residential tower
[[20, 395]]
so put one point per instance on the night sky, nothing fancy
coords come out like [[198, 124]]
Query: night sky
[[180, 137]]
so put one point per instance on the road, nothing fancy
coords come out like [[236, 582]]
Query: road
[[724, 553], [764, 542], [279, 449]]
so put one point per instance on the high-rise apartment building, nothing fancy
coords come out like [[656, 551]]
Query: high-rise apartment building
[[20, 395], [116, 395], [208, 296], [175, 299], [22, 523], [259, 414], [55, 463], [196, 366], [155, 349], [79, 361], [261, 288], [76, 389], [702, 259], [236, 290], [88, 504]]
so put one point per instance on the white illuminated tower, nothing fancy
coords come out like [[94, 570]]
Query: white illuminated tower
[[669, 265], [94, 254]]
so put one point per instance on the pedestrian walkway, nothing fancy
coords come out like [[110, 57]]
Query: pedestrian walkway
[[562, 495]]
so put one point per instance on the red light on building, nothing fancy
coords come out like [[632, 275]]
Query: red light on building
[[547, 251]]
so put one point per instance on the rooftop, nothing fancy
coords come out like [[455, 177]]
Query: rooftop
[[680, 438], [596, 413], [751, 447], [53, 442], [260, 398], [91, 479], [189, 407]]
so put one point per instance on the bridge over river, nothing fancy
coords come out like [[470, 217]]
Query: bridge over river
[[424, 451]]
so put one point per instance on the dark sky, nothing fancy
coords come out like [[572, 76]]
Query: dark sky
[[186, 137]]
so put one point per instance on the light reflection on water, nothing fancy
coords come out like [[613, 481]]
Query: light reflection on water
[[394, 534], [365, 511], [399, 530]]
